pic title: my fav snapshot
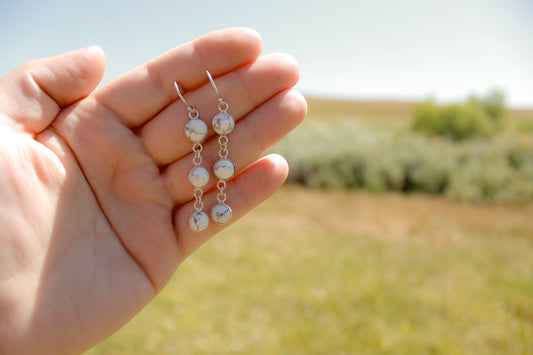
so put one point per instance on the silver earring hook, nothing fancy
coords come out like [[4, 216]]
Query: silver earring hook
[[193, 113], [213, 83], [222, 105], [189, 107]]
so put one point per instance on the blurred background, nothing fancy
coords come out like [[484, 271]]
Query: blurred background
[[405, 226]]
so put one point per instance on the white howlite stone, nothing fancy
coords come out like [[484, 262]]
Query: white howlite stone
[[224, 169], [198, 221], [223, 123], [199, 176], [196, 130], [221, 213]]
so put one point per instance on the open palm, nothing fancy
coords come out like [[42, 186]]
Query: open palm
[[94, 196]]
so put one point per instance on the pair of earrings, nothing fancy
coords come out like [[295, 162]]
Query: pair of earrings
[[196, 131]]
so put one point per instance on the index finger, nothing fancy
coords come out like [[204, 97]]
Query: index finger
[[140, 94]]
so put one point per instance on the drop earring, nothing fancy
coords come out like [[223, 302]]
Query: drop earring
[[196, 131], [223, 124]]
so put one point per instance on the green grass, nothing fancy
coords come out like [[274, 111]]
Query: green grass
[[315, 272]]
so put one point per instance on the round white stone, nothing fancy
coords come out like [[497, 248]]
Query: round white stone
[[224, 169], [199, 176], [221, 213], [198, 221], [196, 130], [223, 123]]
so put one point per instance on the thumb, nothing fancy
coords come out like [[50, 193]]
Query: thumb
[[33, 94]]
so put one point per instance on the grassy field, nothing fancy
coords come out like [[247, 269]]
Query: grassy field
[[391, 114], [332, 272]]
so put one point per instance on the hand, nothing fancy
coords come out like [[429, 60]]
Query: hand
[[94, 195]]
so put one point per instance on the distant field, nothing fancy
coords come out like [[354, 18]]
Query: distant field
[[388, 113], [316, 272], [372, 113], [325, 108]]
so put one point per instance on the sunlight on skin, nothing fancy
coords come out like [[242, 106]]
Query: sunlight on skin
[[92, 224]]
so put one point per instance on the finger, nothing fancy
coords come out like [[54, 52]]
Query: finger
[[249, 189], [33, 94], [140, 94], [251, 137], [244, 90]]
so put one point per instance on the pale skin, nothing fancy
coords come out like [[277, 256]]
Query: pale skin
[[94, 196]]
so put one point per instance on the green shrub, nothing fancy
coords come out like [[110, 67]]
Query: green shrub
[[493, 104], [456, 122], [430, 167], [475, 118], [484, 175], [346, 156]]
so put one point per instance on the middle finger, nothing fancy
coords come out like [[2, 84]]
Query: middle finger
[[243, 89]]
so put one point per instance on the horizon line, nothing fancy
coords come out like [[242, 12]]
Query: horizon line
[[346, 96]]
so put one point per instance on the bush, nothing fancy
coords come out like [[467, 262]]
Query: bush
[[473, 119], [493, 104], [497, 170], [347, 156]]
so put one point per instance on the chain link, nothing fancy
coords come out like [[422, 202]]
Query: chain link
[[197, 149], [221, 185], [221, 197], [198, 192], [199, 204], [193, 113], [223, 106], [223, 152], [223, 140]]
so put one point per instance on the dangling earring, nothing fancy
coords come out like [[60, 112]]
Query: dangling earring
[[196, 131], [224, 169]]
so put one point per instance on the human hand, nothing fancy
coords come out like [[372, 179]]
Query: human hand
[[94, 195]]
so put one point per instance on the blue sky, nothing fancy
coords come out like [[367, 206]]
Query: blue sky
[[381, 49]]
